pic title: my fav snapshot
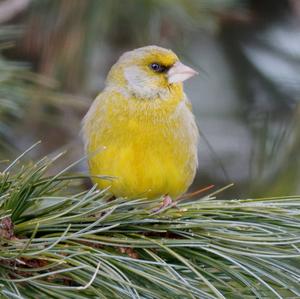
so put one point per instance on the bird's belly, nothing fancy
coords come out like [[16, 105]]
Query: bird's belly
[[144, 164]]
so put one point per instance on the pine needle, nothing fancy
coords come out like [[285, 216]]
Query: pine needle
[[57, 243]]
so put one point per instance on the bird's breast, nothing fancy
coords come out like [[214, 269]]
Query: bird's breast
[[151, 149]]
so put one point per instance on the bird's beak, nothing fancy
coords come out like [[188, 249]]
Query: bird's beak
[[180, 72]]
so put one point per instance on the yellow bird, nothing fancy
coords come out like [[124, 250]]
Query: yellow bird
[[140, 130]]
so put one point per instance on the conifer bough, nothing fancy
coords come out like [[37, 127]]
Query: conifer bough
[[56, 243]]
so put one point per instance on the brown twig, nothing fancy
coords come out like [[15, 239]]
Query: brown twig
[[192, 194]]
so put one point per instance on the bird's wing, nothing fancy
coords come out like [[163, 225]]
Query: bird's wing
[[92, 118], [187, 102]]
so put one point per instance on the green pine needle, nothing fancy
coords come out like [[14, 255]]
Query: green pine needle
[[80, 245]]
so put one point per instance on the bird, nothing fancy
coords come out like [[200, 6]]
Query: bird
[[140, 132]]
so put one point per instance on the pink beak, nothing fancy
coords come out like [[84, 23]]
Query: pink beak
[[180, 72]]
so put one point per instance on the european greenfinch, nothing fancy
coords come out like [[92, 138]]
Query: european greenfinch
[[140, 129]]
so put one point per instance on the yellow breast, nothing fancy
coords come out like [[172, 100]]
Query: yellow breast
[[149, 147]]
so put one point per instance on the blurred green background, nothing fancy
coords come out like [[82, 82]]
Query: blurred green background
[[55, 55]]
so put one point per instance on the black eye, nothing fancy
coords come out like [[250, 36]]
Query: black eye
[[156, 67]]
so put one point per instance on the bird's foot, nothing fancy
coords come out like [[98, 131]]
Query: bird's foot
[[167, 202]]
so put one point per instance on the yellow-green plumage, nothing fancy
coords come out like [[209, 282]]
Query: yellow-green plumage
[[147, 143]]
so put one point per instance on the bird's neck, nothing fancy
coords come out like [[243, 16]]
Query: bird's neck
[[171, 94]]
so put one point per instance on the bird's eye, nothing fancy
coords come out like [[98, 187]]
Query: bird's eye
[[158, 68]]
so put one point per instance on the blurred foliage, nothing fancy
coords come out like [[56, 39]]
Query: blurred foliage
[[26, 97], [13, 90], [69, 31], [279, 162], [11, 98], [266, 45]]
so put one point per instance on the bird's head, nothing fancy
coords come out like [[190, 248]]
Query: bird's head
[[149, 72]]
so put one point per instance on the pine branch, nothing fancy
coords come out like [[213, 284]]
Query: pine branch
[[58, 243]]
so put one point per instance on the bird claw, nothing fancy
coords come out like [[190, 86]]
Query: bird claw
[[167, 202]]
